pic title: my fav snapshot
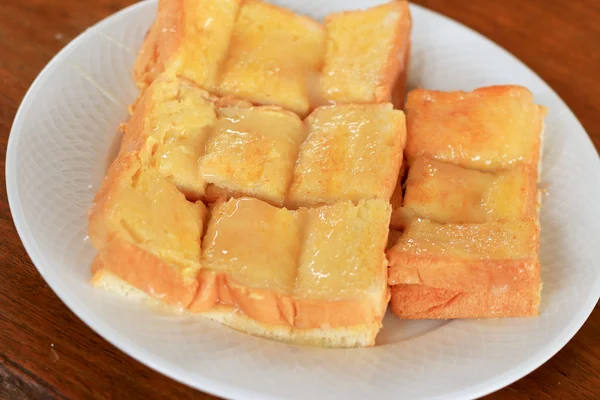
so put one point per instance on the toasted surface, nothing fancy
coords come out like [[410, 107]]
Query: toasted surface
[[446, 193], [274, 56], [171, 124], [146, 232], [253, 151], [491, 128], [239, 240], [296, 283], [343, 251], [190, 39], [421, 302], [469, 257], [342, 260], [367, 54], [351, 336], [352, 152]]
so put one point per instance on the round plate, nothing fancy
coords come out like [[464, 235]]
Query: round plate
[[62, 141]]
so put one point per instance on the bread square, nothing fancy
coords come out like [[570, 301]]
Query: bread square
[[240, 241], [252, 151], [485, 257], [146, 232], [342, 277], [343, 254], [367, 55], [169, 128], [274, 56], [352, 152], [446, 193], [189, 39], [488, 129]]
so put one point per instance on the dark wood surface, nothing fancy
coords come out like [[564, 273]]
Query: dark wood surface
[[47, 352]]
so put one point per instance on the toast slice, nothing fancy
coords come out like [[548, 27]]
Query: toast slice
[[485, 257], [189, 39], [252, 151], [367, 55], [421, 302], [489, 129], [446, 193], [146, 232], [169, 127], [352, 152], [327, 292], [273, 58]]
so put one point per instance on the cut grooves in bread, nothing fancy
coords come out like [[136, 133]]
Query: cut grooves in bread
[[152, 137]]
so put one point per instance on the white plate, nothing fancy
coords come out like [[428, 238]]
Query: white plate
[[58, 152]]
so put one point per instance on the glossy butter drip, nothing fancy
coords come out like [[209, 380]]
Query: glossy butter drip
[[447, 193], [253, 150]]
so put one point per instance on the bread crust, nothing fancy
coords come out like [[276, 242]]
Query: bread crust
[[269, 307], [392, 87], [358, 335], [161, 43], [147, 272], [421, 302]]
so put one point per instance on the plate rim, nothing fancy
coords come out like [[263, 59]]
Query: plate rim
[[511, 375]]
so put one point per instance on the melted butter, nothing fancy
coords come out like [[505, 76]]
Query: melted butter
[[180, 123], [238, 242], [514, 240], [341, 158], [340, 252], [488, 129], [450, 194], [328, 268], [356, 56], [156, 216], [253, 151], [208, 29], [270, 53]]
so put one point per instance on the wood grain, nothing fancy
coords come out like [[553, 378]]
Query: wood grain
[[47, 352]]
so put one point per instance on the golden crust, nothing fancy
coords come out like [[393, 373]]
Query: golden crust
[[274, 308], [145, 271], [490, 128], [345, 336], [421, 302], [467, 258], [124, 249], [161, 42]]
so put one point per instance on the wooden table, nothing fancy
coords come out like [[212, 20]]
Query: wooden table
[[47, 352]]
